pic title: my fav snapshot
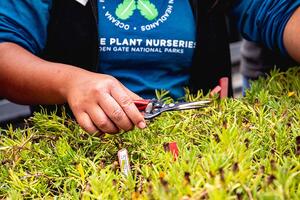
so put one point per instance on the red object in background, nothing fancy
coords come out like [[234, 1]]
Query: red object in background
[[216, 90], [172, 147], [224, 82]]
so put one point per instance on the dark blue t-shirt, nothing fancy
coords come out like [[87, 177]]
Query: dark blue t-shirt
[[147, 44], [163, 60]]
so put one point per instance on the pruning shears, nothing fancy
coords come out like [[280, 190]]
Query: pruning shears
[[153, 108]]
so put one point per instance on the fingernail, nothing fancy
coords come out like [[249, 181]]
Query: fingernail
[[142, 125]]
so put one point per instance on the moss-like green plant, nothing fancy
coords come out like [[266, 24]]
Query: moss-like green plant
[[246, 148]]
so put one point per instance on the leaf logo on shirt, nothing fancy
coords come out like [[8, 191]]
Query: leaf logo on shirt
[[147, 9], [126, 9]]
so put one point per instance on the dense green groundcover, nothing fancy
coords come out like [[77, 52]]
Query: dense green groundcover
[[246, 148]]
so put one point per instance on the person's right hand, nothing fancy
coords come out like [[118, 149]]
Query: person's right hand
[[100, 103]]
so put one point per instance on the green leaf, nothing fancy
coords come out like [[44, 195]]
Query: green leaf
[[125, 9], [147, 9]]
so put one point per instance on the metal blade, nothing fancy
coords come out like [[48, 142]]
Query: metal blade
[[192, 105]]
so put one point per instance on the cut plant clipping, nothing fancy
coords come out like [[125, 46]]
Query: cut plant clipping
[[246, 148]]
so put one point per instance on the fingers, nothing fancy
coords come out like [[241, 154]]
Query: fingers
[[115, 112], [102, 104], [101, 121], [126, 103], [86, 123], [96, 122]]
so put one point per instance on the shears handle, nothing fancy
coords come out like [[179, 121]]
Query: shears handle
[[141, 104]]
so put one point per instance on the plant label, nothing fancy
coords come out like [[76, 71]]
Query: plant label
[[216, 90], [124, 161], [224, 85], [172, 147]]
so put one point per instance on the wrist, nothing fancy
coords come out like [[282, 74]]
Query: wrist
[[71, 78]]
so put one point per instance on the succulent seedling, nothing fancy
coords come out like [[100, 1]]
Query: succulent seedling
[[253, 155]]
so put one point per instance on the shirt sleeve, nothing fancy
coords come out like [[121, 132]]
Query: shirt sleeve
[[264, 21], [24, 22]]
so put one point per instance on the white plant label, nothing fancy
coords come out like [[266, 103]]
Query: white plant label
[[124, 161]]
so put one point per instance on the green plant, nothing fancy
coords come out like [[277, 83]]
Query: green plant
[[247, 148]]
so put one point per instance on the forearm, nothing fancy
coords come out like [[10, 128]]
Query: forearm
[[98, 101], [264, 21], [27, 79], [291, 36]]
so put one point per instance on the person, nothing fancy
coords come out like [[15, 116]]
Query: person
[[98, 55], [258, 61]]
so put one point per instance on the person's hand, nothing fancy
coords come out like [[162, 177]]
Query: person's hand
[[100, 103]]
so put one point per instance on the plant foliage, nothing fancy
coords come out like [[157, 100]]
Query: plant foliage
[[247, 148]]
